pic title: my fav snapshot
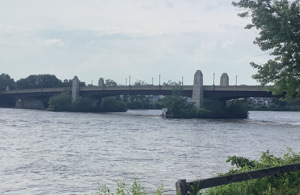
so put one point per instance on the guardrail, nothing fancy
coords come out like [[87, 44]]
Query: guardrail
[[183, 187]]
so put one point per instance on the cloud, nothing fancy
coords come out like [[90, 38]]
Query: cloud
[[227, 44], [56, 42], [138, 38]]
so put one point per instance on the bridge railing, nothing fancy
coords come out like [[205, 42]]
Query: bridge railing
[[183, 187]]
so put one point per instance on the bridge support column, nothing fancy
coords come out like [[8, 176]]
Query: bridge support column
[[198, 97], [30, 104], [75, 89], [101, 83], [224, 81]]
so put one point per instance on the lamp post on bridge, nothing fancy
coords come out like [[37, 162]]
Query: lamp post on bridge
[[214, 79], [159, 80]]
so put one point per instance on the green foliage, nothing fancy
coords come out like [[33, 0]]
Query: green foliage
[[278, 22], [110, 83], [39, 81], [7, 102], [112, 104], [61, 102], [68, 83], [5, 81], [180, 108], [134, 189], [172, 83], [237, 108], [84, 104], [140, 83], [288, 183]]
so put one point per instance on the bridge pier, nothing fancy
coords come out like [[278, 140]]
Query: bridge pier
[[30, 104], [224, 81], [101, 83], [198, 97], [75, 89]]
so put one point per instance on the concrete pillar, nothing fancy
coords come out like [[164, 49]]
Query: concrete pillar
[[198, 97], [224, 80], [7, 88], [30, 104], [75, 89], [101, 83]]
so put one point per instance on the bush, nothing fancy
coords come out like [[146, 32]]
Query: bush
[[180, 108], [134, 189], [84, 104], [111, 104], [288, 183], [61, 102]]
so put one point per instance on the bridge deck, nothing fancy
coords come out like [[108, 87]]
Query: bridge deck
[[210, 91]]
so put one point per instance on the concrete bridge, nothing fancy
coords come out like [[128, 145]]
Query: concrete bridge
[[198, 91]]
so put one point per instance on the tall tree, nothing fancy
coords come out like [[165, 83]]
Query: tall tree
[[39, 81], [110, 83], [278, 23], [140, 83], [5, 81]]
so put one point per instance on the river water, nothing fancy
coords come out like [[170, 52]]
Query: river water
[[69, 153]]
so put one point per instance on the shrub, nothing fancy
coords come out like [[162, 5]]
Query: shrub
[[134, 189], [111, 104], [61, 102], [288, 183]]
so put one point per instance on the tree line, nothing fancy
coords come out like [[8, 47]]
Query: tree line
[[34, 82]]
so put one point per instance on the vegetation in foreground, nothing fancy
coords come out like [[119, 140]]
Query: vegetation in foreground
[[122, 189], [288, 183]]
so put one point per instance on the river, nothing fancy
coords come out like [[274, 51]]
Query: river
[[47, 153]]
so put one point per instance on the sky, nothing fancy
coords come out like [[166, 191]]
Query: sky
[[115, 39]]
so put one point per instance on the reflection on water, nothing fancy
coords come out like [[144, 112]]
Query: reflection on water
[[68, 153]]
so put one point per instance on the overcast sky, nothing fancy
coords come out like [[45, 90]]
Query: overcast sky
[[117, 38]]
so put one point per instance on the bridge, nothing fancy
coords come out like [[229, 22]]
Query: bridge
[[198, 91]]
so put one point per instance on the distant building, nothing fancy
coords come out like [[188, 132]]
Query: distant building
[[259, 100]]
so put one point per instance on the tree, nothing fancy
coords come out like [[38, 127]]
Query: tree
[[39, 81], [278, 22], [140, 83], [172, 83], [5, 81], [69, 83], [110, 83], [61, 102]]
